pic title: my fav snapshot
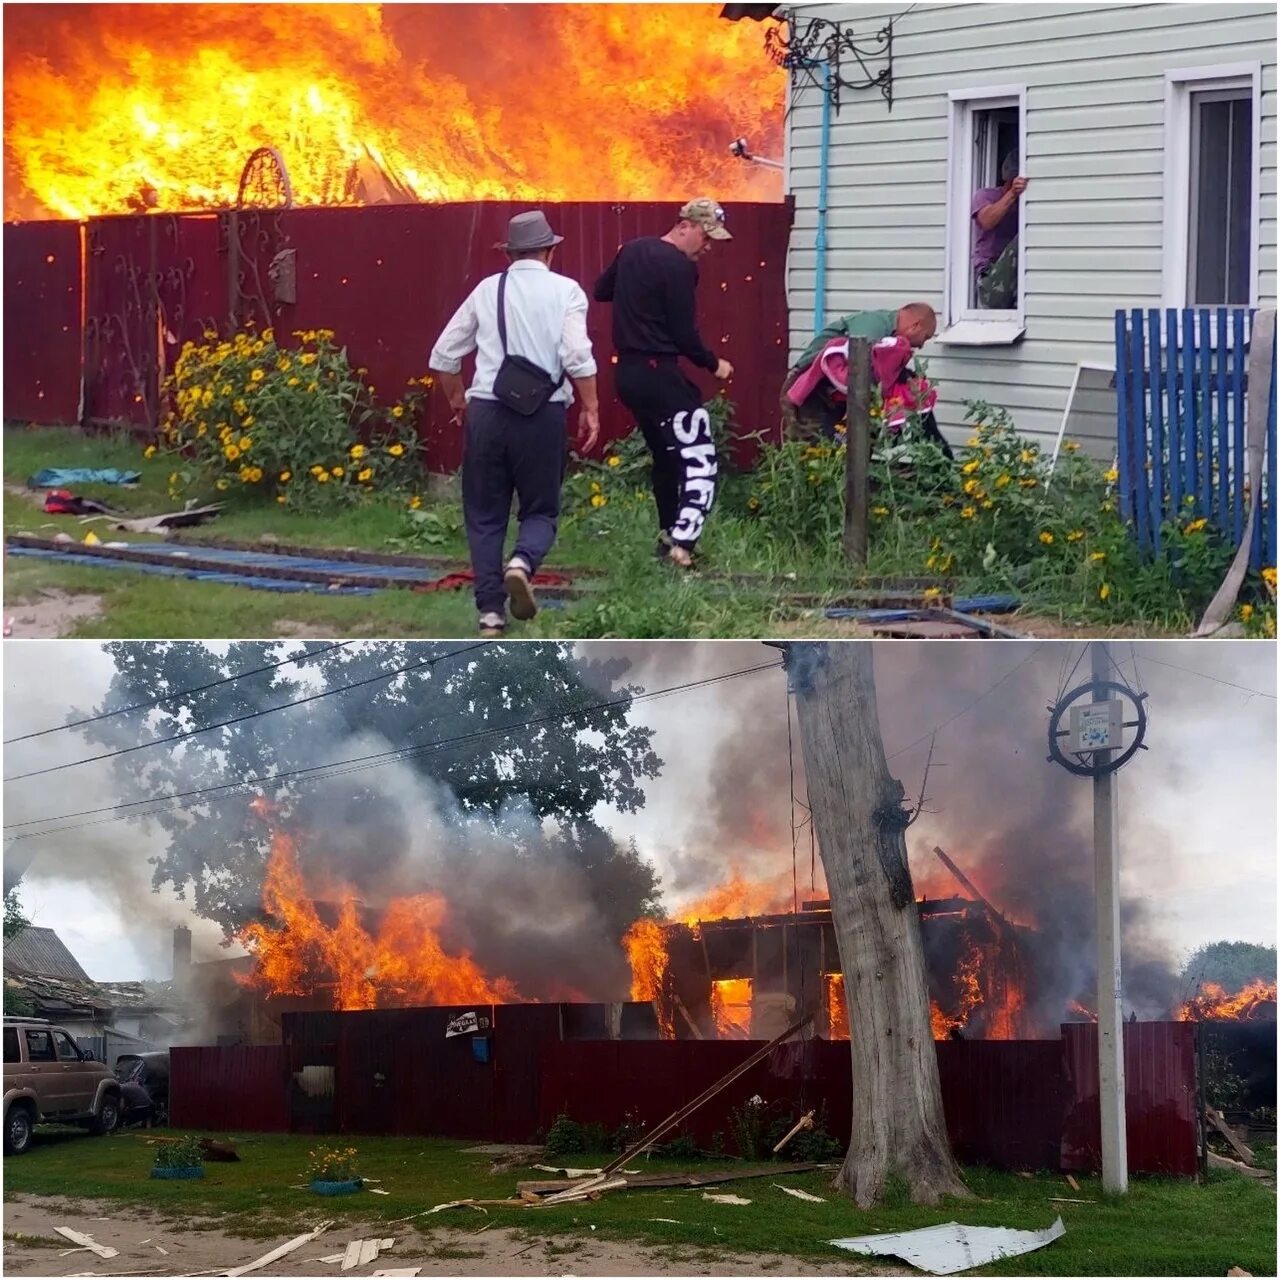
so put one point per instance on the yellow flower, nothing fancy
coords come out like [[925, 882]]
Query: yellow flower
[[357, 451], [971, 487], [968, 513], [365, 476], [932, 593], [1002, 480], [308, 357], [970, 467], [286, 476], [232, 452], [879, 511], [149, 451], [1072, 446], [398, 411], [1027, 455], [224, 483], [257, 376], [415, 502], [173, 478], [1196, 525], [293, 382], [226, 389], [325, 335], [1028, 482], [598, 499], [281, 498], [284, 364], [256, 349], [322, 478], [337, 472], [255, 474], [246, 442], [1111, 476], [202, 429], [313, 386], [973, 441], [753, 503], [1046, 537], [1269, 576], [1097, 556], [1075, 535], [268, 335], [209, 335], [318, 470], [1104, 591], [240, 407], [613, 460], [987, 504], [1246, 612], [396, 450]]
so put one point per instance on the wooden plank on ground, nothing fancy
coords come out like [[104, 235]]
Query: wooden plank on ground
[[87, 1242], [278, 1252], [1215, 1118]]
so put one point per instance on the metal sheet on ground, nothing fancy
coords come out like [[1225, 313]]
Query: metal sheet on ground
[[951, 1248]]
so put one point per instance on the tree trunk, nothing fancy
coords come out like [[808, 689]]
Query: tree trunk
[[898, 1125]]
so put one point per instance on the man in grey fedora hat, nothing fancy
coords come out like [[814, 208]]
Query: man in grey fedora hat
[[528, 328]]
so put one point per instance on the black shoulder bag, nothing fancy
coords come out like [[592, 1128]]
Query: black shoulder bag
[[521, 385]]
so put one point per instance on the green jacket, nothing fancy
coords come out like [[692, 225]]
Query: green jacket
[[875, 325]]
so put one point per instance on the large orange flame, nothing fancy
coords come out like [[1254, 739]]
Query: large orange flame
[[487, 101], [739, 897], [404, 963], [1253, 999], [731, 1008]]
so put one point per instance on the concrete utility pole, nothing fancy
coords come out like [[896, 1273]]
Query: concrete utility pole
[[1106, 870]]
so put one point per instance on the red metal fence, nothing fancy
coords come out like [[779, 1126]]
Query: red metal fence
[[385, 279], [1012, 1104]]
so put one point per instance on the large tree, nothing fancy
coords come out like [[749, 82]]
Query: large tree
[[1231, 965], [492, 766], [858, 814]]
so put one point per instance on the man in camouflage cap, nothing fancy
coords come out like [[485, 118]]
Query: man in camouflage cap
[[652, 283]]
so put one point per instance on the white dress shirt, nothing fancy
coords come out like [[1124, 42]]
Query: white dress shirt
[[546, 323]]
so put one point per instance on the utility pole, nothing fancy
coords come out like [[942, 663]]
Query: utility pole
[[1106, 873], [1095, 749]]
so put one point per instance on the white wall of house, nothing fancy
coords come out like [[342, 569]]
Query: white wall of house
[[1100, 110]]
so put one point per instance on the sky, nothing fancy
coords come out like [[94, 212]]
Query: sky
[[1197, 809]]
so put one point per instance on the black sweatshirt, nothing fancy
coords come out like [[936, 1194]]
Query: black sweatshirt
[[651, 285]]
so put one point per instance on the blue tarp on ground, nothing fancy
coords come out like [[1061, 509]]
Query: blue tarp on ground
[[61, 477]]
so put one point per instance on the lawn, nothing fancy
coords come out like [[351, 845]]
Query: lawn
[[758, 578], [1163, 1227]]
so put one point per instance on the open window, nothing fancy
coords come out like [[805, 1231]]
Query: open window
[[1211, 192], [985, 262]]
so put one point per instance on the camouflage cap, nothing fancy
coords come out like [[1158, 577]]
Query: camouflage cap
[[708, 215]]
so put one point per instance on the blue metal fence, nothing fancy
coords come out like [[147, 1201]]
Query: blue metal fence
[[1182, 380]]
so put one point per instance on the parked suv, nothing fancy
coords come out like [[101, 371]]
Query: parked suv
[[48, 1079]]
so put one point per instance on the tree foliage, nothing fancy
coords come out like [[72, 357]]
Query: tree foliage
[[14, 919], [483, 732], [1231, 965]]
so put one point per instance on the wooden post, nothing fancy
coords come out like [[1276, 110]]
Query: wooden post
[[857, 480]]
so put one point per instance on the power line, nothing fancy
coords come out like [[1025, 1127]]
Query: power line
[[924, 737], [182, 693], [1191, 671], [249, 715], [374, 760]]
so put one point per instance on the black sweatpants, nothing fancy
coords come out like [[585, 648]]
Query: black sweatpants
[[506, 453], [668, 410]]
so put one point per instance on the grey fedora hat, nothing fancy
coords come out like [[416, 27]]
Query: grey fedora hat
[[529, 231]]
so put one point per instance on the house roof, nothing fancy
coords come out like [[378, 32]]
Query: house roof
[[41, 953]]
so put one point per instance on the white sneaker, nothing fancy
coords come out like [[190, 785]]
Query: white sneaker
[[520, 589], [493, 626]]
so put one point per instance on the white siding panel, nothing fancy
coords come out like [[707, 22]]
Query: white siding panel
[[1095, 157]]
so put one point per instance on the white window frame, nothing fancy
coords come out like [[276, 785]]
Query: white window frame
[[1179, 86], [964, 325]]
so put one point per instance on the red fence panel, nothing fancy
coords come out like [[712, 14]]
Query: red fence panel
[[386, 279], [1160, 1097], [237, 1087], [42, 327]]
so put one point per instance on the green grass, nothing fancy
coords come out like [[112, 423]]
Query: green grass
[[1163, 1227], [630, 595]]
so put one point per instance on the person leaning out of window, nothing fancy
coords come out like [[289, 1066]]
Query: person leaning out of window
[[995, 238]]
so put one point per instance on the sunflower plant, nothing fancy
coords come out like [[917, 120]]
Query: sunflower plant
[[333, 1164], [298, 425]]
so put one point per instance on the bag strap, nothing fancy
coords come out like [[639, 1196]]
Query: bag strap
[[502, 311]]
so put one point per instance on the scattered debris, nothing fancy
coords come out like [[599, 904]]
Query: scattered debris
[[724, 1199], [800, 1195], [569, 1173], [805, 1122], [588, 1190], [1072, 1183], [535, 1191], [399, 1271], [378, 1191], [362, 1252], [86, 1242], [1215, 1118], [526, 1249], [1225, 1162], [279, 1252], [159, 1248], [1067, 1200], [674, 1221], [950, 1248], [1022, 1173], [1239, 1271], [169, 520]]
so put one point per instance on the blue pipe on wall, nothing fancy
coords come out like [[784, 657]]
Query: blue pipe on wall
[[820, 242]]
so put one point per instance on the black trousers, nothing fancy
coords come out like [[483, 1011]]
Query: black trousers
[[669, 412], [506, 454]]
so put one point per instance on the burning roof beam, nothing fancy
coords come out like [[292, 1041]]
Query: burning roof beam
[[969, 886]]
